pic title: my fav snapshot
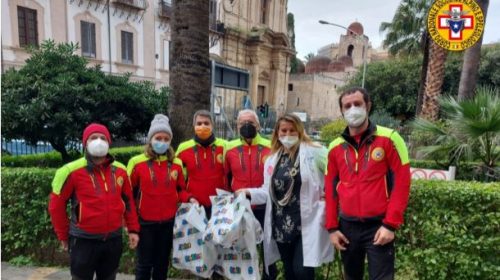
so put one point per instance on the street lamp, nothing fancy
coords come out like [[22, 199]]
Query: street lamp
[[364, 46]]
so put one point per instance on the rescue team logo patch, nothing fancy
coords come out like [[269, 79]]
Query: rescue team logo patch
[[378, 154], [219, 158], [455, 25], [119, 181], [174, 174]]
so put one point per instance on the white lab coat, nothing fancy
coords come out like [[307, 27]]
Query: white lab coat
[[316, 244]]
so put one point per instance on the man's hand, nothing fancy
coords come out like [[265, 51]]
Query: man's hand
[[383, 236], [244, 191], [64, 245], [338, 240], [133, 240], [194, 201]]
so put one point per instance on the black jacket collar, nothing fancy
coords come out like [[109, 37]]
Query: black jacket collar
[[367, 135]]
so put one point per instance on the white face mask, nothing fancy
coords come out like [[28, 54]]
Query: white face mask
[[289, 141], [355, 116], [98, 147]]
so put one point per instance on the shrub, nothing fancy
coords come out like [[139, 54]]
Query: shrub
[[54, 159], [332, 130], [450, 231]]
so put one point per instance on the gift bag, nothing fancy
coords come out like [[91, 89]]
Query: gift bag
[[236, 233], [190, 251]]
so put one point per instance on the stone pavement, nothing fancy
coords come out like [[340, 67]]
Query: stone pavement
[[10, 272]]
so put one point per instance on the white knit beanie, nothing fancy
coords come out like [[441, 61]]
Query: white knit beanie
[[159, 124]]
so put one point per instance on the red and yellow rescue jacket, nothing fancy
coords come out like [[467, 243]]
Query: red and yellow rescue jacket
[[369, 181], [203, 168], [101, 198], [244, 164], [158, 186]]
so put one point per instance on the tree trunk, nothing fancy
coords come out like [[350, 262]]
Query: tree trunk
[[61, 148], [433, 82], [190, 68], [468, 77], [423, 72]]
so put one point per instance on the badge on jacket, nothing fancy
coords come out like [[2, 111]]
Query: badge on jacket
[[378, 154]]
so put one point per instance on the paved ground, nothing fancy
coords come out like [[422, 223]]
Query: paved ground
[[10, 272]]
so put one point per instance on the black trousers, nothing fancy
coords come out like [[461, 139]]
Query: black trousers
[[380, 258], [93, 256], [293, 261], [153, 251]]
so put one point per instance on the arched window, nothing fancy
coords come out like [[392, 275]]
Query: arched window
[[349, 50]]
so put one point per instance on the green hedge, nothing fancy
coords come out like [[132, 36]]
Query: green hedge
[[54, 160], [451, 229]]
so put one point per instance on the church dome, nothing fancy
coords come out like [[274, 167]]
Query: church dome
[[336, 66], [356, 27], [346, 60], [318, 64]]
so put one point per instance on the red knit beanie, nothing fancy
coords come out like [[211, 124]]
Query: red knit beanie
[[95, 128]]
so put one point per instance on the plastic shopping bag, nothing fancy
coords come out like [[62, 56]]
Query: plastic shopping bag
[[190, 251], [236, 233]]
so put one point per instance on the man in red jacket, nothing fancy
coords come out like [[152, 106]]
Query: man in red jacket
[[203, 160], [366, 187], [101, 199], [244, 164]]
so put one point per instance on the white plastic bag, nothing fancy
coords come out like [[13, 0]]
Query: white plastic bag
[[190, 251], [236, 233]]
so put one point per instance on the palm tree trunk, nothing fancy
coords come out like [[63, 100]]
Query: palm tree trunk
[[433, 82], [190, 68], [468, 77], [423, 72]]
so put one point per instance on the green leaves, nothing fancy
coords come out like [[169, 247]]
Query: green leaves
[[54, 96]]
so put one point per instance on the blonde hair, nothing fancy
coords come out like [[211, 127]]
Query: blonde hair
[[297, 124]]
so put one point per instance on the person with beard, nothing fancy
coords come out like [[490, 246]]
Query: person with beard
[[367, 186], [244, 163], [101, 200], [295, 208], [203, 160]]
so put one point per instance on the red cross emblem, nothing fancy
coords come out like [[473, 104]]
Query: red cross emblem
[[455, 21]]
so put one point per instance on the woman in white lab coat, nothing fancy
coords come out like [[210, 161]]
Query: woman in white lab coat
[[293, 192]]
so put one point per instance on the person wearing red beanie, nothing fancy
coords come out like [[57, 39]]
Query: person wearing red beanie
[[101, 199]]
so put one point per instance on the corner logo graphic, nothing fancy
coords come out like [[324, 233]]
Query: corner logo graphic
[[455, 25]]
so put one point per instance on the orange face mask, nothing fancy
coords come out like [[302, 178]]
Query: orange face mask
[[203, 132]]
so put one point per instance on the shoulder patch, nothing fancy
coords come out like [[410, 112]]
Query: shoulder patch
[[63, 173], [184, 146], [336, 142]]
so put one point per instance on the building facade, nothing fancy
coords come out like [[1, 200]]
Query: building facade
[[133, 36]]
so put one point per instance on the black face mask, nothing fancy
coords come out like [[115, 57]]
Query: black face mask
[[248, 131]]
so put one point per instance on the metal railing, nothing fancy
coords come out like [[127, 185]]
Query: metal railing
[[18, 147], [138, 4], [165, 9]]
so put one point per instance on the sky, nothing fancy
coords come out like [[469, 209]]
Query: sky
[[310, 35]]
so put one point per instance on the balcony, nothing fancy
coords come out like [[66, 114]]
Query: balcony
[[165, 9], [136, 4]]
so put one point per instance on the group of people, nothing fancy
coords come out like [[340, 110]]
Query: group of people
[[306, 197]]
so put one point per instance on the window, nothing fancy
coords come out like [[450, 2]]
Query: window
[[212, 16], [166, 53], [263, 11], [349, 50], [88, 38], [127, 47], [27, 25], [290, 87]]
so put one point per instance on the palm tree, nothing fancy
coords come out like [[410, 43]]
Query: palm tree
[[190, 68], [433, 82], [309, 56], [468, 77], [471, 131], [407, 35]]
